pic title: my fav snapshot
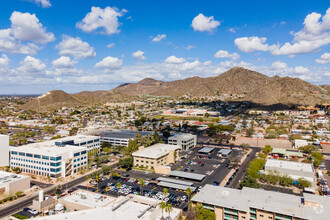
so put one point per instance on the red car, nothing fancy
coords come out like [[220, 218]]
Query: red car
[[199, 162]]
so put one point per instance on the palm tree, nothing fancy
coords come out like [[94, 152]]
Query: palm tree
[[169, 209], [107, 188], [118, 187], [87, 178], [163, 206], [142, 184], [97, 179], [188, 192], [165, 191]]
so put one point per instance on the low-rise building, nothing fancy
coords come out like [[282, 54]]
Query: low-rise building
[[56, 158], [293, 169], [11, 183], [4, 150], [249, 203], [155, 155], [186, 141], [121, 137], [106, 207]]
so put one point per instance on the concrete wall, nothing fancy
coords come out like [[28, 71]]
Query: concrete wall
[[19, 185]]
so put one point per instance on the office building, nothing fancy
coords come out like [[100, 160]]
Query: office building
[[155, 155], [4, 150], [56, 158], [186, 141], [84, 205], [121, 137], [11, 183], [256, 204]]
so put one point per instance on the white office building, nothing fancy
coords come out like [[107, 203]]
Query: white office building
[[56, 158], [186, 141], [4, 150], [121, 137]]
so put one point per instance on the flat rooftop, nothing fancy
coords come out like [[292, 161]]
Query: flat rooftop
[[169, 180], [123, 134], [182, 135], [265, 200], [224, 151], [206, 150], [155, 151], [46, 149], [289, 165], [88, 199], [129, 207], [6, 177], [175, 186], [186, 175]]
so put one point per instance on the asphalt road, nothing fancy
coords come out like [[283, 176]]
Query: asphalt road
[[240, 174]]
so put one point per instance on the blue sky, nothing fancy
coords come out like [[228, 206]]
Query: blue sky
[[96, 45]]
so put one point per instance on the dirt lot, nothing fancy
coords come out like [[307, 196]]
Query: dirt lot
[[262, 142]]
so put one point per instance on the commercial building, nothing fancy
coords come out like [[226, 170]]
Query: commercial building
[[56, 158], [186, 141], [293, 169], [4, 150], [11, 183], [256, 204], [300, 143], [105, 207], [155, 155], [121, 137]]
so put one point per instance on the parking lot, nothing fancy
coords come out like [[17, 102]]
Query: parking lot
[[130, 185], [212, 165]]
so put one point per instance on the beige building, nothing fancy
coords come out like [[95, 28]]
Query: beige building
[[155, 155], [256, 204], [84, 205], [11, 183]]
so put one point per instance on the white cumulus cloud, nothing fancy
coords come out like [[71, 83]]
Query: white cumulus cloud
[[105, 20], [109, 63], [324, 59], [139, 55], [26, 27], [31, 65], [301, 70], [159, 37], [278, 65], [314, 35], [75, 47], [226, 54], [202, 23], [175, 60], [64, 62]]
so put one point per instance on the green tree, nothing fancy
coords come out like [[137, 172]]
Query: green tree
[[303, 183], [165, 191], [73, 131], [169, 209], [97, 179], [188, 192], [162, 205], [249, 182], [118, 187], [308, 148], [142, 184]]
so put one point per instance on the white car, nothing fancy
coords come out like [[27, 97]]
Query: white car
[[33, 211], [183, 198]]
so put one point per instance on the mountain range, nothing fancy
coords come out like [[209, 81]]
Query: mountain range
[[237, 82]]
